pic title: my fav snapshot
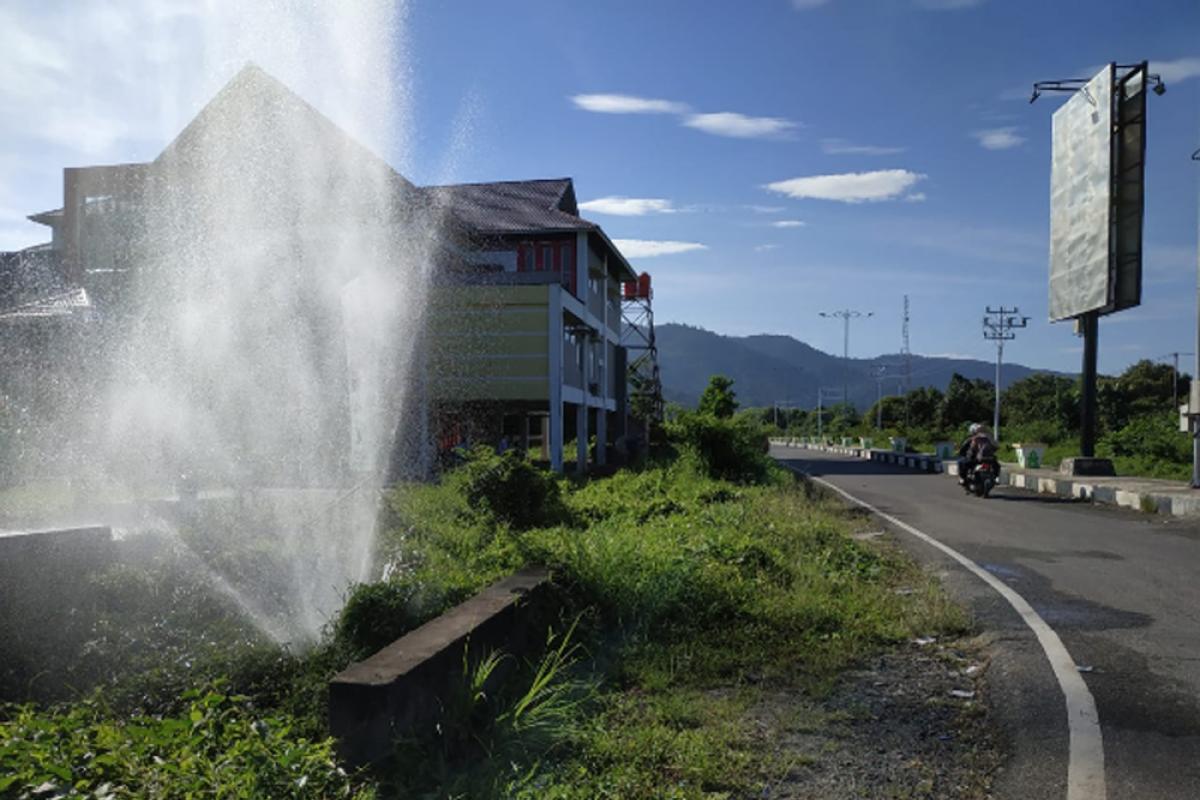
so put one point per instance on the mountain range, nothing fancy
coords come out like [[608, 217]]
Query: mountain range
[[769, 369]]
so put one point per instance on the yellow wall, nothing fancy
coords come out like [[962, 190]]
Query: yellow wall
[[489, 342]]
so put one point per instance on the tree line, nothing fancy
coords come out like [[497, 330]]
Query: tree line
[[1137, 417]]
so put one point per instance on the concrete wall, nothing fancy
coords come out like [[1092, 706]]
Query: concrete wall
[[411, 680]]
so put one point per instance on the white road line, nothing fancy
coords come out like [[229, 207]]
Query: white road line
[[1085, 769]]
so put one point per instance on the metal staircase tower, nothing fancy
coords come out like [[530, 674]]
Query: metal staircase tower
[[637, 337]]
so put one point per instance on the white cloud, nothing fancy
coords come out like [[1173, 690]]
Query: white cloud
[[766, 209], [844, 147], [626, 104], [948, 5], [645, 248], [850, 187], [1178, 70], [916, 197], [728, 123], [788, 223], [763, 248], [628, 206], [999, 138], [95, 83], [953, 356], [806, 5]]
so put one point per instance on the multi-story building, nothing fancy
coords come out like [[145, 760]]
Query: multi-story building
[[529, 329], [263, 203]]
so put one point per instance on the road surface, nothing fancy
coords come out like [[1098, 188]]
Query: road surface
[[1120, 589]]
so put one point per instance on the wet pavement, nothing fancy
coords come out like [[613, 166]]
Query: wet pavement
[[1119, 587]]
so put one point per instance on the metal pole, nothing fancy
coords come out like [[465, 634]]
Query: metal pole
[[879, 402], [846, 316], [1175, 387], [820, 427], [845, 363], [1089, 324], [1194, 394], [996, 414]]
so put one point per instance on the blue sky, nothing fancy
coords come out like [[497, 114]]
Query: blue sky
[[765, 161]]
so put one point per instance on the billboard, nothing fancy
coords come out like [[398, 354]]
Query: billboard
[[1096, 206], [1081, 200]]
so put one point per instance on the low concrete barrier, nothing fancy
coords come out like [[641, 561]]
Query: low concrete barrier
[[1147, 495], [922, 462], [411, 680]]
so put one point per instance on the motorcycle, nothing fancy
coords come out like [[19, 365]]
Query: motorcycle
[[982, 478]]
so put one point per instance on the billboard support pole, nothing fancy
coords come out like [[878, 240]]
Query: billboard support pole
[[1194, 394], [1089, 325]]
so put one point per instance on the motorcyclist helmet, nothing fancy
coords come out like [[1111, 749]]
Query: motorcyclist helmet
[[974, 428]]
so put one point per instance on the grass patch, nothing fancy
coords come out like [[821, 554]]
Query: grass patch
[[696, 593], [684, 596]]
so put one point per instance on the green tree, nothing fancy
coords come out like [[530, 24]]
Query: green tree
[[965, 402], [719, 399], [1050, 400], [924, 403]]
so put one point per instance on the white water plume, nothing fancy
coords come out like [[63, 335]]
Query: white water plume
[[262, 284]]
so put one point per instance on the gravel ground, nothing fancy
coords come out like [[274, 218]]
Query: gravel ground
[[910, 724]]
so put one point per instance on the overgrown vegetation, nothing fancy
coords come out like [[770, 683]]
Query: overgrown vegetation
[[684, 589], [1137, 422]]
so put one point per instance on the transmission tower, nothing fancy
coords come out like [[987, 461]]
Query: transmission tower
[[998, 326]]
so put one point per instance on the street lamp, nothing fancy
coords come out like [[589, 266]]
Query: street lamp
[[1194, 394], [845, 317]]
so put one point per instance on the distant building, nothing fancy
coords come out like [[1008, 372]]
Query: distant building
[[267, 211]]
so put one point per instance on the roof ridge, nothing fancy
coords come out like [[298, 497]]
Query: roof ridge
[[496, 183]]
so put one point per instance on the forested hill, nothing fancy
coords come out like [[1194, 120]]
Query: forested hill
[[767, 369]]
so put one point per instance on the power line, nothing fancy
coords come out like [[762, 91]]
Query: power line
[[999, 326]]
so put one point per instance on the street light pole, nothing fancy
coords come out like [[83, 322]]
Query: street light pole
[[846, 316], [1194, 394]]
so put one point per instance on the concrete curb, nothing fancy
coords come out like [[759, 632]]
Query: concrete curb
[[1140, 494], [921, 462]]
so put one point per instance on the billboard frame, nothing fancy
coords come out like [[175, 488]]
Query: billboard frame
[[1097, 192]]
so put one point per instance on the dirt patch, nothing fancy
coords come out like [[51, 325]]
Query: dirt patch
[[909, 724]]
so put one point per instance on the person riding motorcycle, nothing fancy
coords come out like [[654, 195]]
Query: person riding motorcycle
[[977, 447]]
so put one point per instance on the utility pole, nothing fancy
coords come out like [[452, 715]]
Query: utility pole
[[907, 353], [1175, 382], [879, 370], [998, 326], [820, 402], [845, 316], [820, 426]]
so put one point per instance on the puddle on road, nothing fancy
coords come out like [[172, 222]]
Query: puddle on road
[[1001, 570]]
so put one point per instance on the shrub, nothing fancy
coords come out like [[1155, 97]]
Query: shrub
[[726, 449], [509, 488]]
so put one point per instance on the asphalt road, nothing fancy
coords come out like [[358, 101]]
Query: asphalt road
[[1122, 591]]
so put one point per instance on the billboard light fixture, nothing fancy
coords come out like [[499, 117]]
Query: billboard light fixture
[[1075, 84]]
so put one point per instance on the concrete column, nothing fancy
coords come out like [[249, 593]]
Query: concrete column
[[581, 437], [525, 435], [555, 379], [556, 436], [601, 435]]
